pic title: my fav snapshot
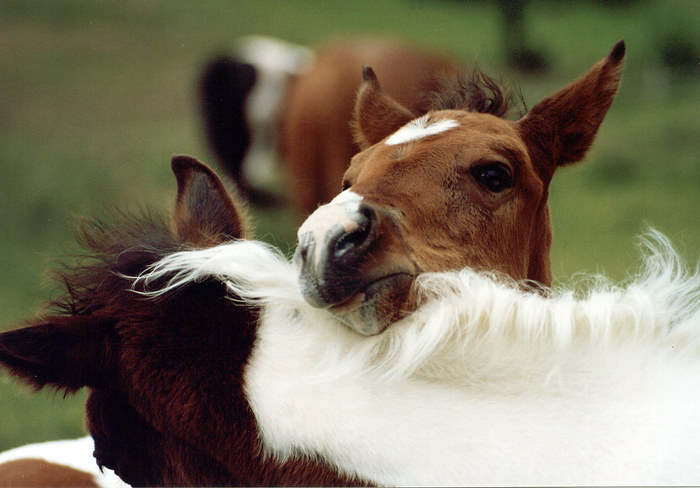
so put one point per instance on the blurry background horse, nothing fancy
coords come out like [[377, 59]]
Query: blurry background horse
[[274, 100], [91, 92]]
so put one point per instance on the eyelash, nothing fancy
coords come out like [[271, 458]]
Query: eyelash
[[495, 177]]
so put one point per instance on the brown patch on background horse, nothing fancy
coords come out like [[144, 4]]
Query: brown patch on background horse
[[312, 131], [316, 141], [457, 187]]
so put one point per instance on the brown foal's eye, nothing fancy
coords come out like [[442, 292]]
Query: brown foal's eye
[[495, 177]]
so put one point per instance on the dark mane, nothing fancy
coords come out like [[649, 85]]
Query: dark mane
[[96, 285], [475, 91], [110, 253]]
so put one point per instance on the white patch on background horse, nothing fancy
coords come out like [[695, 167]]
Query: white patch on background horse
[[276, 62], [484, 384]]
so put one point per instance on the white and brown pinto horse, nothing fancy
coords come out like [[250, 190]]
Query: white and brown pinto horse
[[272, 100], [208, 364]]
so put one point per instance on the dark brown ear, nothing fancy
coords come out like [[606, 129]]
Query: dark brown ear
[[205, 213], [377, 115], [65, 352], [560, 129]]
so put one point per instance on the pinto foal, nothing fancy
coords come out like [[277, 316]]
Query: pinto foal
[[454, 187], [502, 179]]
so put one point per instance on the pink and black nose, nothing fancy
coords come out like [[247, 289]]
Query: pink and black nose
[[334, 242]]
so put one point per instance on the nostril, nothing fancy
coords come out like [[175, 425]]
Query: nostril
[[304, 251], [351, 240], [366, 212], [359, 238]]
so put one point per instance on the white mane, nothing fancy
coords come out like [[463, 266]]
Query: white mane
[[464, 309], [485, 383]]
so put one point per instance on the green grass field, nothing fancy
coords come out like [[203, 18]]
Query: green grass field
[[96, 96]]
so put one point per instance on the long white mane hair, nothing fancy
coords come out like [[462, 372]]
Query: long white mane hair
[[463, 311]]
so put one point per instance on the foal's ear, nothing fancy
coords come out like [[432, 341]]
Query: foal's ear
[[205, 213], [377, 115], [560, 129], [65, 352]]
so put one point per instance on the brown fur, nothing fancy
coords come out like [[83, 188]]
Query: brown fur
[[377, 113], [166, 405], [473, 91], [203, 221], [39, 473]]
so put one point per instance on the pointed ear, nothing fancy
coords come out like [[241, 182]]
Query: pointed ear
[[560, 129], [376, 114], [65, 352], [205, 213]]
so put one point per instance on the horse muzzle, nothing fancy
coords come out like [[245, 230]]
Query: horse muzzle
[[347, 264]]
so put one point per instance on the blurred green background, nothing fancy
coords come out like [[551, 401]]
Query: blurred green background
[[96, 96]]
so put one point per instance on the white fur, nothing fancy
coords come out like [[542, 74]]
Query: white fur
[[346, 197], [276, 62], [485, 384], [74, 453], [418, 128], [341, 211]]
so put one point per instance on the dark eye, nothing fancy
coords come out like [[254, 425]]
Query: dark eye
[[495, 177], [346, 185]]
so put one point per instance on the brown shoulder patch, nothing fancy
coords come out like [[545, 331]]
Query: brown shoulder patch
[[37, 472]]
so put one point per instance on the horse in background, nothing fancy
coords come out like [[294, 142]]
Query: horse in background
[[241, 101], [274, 100]]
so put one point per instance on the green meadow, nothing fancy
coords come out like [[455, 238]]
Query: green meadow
[[96, 96]]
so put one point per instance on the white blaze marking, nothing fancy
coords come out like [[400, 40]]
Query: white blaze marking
[[336, 212], [346, 196], [419, 128]]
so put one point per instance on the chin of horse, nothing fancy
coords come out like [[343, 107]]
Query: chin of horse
[[374, 309]]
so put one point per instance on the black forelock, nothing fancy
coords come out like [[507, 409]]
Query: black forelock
[[475, 91]]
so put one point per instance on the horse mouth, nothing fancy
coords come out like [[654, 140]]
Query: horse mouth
[[377, 304], [352, 262]]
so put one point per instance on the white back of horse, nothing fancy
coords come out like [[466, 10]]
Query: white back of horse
[[485, 384]]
